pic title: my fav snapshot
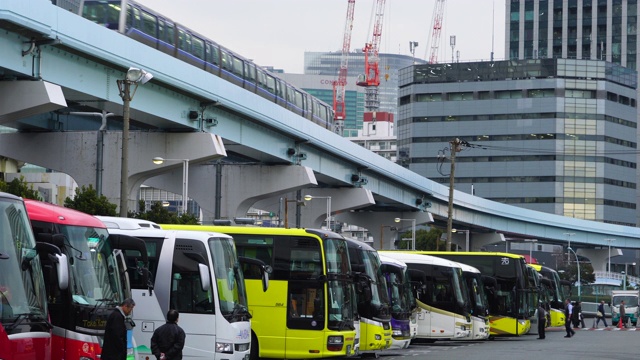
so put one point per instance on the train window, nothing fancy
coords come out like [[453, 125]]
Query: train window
[[197, 48], [250, 71], [238, 66], [149, 24], [279, 88], [129, 19], [184, 40], [226, 60], [213, 54], [271, 84], [136, 21]]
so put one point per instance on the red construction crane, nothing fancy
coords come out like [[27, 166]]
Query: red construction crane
[[339, 85], [371, 78], [438, 12]]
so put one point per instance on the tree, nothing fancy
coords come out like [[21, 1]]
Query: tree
[[159, 214], [425, 239], [20, 187], [88, 201]]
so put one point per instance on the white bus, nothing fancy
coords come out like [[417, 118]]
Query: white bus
[[441, 296], [477, 303], [198, 274]]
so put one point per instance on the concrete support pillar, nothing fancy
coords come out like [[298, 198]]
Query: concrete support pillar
[[242, 186], [478, 241], [74, 153], [379, 224], [599, 257]]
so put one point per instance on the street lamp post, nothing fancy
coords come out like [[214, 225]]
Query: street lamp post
[[328, 219], [624, 286], [578, 263], [185, 178], [569, 235], [136, 77], [531, 241], [413, 231], [609, 266], [286, 211]]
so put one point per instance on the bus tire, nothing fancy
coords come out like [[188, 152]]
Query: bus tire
[[254, 354]]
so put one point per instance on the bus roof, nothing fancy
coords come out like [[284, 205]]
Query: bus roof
[[10, 196], [412, 257], [471, 253], [251, 230], [179, 234], [42, 211], [389, 260], [114, 222]]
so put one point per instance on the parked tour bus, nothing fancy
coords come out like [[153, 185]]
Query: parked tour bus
[[308, 311], [372, 298], [478, 304], [198, 274], [25, 332], [553, 294], [441, 295], [97, 278], [511, 294], [402, 303]]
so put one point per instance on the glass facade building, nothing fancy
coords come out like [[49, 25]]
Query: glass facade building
[[552, 135]]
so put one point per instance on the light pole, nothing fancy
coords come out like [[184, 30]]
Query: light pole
[[134, 76], [286, 211], [382, 235], [413, 231], [624, 286], [185, 178], [609, 269], [466, 238], [569, 235], [328, 219], [577, 262], [531, 241]]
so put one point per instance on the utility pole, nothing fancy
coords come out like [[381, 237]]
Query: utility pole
[[455, 147]]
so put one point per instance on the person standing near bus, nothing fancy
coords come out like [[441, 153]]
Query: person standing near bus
[[568, 310], [600, 315], [622, 315], [167, 341], [115, 333], [542, 320]]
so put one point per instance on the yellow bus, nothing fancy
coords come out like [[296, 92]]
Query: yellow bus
[[552, 291], [511, 292], [308, 311]]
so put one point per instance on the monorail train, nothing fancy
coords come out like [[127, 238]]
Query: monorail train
[[159, 32]]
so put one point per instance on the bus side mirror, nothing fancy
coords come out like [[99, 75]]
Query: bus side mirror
[[205, 279], [62, 268]]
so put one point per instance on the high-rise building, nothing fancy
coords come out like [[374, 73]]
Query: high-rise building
[[552, 135], [573, 29]]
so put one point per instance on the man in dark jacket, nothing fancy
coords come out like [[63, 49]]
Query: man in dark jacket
[[115, 333], [168, 340]]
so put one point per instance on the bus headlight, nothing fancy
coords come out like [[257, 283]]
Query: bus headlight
[[225, 348], [396, 332], [335, 343], [378, 337]]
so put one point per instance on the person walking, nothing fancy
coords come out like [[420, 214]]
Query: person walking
[[167, 341], [600, 315], [622, 316], [578, 318], [114, 346], [542, 320], [568, 310]]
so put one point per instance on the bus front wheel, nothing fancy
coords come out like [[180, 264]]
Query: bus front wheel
[[255, 348]]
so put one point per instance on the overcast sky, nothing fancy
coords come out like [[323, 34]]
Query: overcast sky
[[278, 32]]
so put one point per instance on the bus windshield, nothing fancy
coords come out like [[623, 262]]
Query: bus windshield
[[379, 294], [21, 297], [93, 278], [339, 285], [232, 293], [478, 296]]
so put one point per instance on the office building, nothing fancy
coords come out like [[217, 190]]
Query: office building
[[552, 135]]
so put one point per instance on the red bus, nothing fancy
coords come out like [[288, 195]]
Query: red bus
[[98, 277]]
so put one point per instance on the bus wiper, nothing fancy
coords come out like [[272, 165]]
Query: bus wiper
[[240, 311], [18, 320], [98, 303]]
